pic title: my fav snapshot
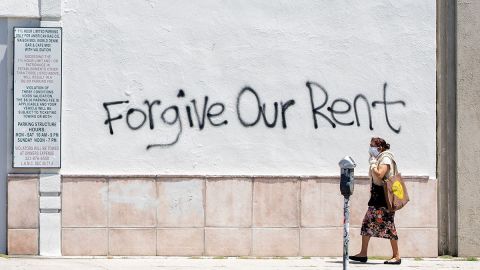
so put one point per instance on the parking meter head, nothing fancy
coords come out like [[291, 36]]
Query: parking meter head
[[347, 165]]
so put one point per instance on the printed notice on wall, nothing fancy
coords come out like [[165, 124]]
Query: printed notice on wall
[[37, 97]]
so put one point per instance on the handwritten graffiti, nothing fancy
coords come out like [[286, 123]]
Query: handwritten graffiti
[[262, 110], [204, 113], [333, 112]]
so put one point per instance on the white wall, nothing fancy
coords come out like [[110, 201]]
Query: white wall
[[147, 50], [23, 8]]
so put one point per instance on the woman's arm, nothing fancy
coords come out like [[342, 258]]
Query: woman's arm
[[379, 171]]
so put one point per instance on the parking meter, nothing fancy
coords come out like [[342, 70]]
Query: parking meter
[[347, 166]]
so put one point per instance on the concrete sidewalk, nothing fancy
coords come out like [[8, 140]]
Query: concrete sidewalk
[[184, 263]]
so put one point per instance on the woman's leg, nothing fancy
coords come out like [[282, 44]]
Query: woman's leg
[[395, 252], [365, 231], [364, 250]]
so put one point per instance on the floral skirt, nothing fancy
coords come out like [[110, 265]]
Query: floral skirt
[[379, 223]]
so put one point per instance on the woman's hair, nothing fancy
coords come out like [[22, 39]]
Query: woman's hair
[[379, 142]]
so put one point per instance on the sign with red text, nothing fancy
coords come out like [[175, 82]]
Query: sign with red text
[[37, 97]]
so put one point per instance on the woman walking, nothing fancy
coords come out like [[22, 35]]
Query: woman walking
[[378, 222]]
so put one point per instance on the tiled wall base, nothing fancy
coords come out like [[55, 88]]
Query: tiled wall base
[[23, 215], [242, 216], [22, 241]]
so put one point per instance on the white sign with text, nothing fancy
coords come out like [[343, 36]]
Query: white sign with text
[[37, 97]]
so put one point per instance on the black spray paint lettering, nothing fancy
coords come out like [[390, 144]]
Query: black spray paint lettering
[[335, 113], [207, 111], [109, 119], [143, 116], [129, 122], [136, 118], [199, 114], [262, 110], [176, 119], [150, 115], [385, 103]]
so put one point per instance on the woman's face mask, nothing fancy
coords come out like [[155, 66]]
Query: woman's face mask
[[373, 151]]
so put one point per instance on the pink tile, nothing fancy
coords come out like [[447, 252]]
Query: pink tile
[[84, 242], [22, 241], [421, 211], [328, 241], [132, 242], [180, 241], [322, 203], [132, 202], [275, 242], [23, 203], [229, 203], [418, 242], [412, 242], [180, 203], [228, 241], [321, 241], [276, 203], [355, 240], [84, 202]]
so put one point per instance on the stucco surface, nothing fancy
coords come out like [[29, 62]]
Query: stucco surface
[[468, 123], [24, 8], [142, 51]]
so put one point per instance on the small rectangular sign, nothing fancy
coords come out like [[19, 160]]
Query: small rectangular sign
[[37, 97]]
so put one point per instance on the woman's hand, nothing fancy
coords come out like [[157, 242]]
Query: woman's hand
[[372, 160]]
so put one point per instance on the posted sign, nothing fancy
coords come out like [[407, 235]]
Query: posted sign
[[37, 97]]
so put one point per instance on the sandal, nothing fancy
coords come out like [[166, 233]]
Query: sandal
[[393, 261]]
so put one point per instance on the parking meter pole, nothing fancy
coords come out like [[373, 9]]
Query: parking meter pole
[[346, 229], [347, 166]]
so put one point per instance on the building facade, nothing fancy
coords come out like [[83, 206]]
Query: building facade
[[216, 128]]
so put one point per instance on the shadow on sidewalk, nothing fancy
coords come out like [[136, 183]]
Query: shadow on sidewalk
[[353, 262]]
